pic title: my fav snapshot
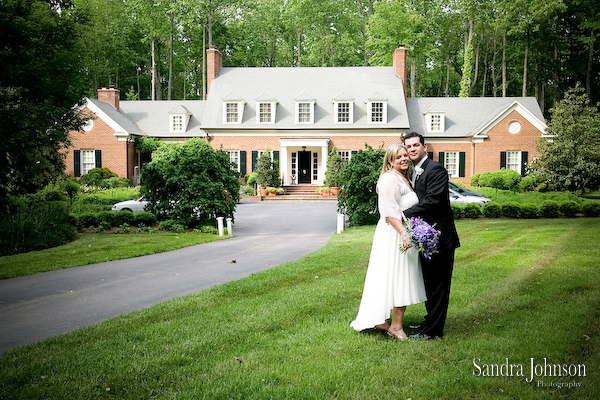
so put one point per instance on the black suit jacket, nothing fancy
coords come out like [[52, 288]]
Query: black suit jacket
[[434, 203]]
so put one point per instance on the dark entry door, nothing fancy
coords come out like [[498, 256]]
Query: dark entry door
[[304, 167]]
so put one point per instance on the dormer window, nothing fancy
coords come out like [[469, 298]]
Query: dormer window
[[233, 109], [305, 111], [265, 112], [178, 119], [435, 122], [343, 112], [377, 109]]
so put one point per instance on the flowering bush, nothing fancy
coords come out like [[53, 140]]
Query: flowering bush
[[423, 236]]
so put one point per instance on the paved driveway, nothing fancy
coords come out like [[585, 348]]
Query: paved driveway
[[36, 307]]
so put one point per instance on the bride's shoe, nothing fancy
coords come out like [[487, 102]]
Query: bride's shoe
[[398, 335]]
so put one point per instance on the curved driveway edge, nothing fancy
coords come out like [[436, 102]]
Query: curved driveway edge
[[36, 307]]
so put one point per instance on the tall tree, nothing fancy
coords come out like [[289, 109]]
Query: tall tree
[[40, 85]]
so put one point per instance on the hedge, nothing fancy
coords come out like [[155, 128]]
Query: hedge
[[110, 219], [548, 209]]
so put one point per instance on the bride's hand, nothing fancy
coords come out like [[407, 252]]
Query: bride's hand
[[406, 244]]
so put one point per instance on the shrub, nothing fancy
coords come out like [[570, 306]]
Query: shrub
[[95, 176], [123, 217], [511, 210], [86, 220], [505, 179], [335, 165], [475, 180], [472, 210], [42, 226], [530, 211], [458, 210], [549, 209], [144, 218], [591, 209], [171, 225], [569, 208], [358, 199], [527, 184], [492, 210], [209, 229], [248, 190], [105, 218]]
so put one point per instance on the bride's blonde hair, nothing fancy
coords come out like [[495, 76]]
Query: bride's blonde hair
[[390, 155]]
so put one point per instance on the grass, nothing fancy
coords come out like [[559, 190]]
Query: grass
[[522, 289], [96, 248]]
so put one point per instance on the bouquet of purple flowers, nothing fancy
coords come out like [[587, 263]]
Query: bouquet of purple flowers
[[423, 236]]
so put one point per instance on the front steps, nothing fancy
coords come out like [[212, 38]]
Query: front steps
[[300, 192]]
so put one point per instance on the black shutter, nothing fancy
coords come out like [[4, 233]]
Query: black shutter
[[442, 154], [98, 158], [77, 163], [461, 164], [502, 159], [276, 155], [430, 154], [524, 160], [254, 157], [242, 162]]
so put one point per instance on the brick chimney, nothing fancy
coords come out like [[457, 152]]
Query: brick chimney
[[400, 65], [110, 95], [214, 62]]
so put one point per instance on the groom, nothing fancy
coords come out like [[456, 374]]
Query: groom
[[430, 181]]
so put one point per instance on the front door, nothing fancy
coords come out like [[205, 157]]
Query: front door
[[304, 166]]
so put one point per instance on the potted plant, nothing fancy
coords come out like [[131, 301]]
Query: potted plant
[[323, 191], [335, 164], [271, 191], [267, 172], [280, 190]]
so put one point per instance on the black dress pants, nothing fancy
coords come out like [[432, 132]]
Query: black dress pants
[[437, 274]]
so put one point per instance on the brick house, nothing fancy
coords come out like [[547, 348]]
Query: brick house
[[300, 114]]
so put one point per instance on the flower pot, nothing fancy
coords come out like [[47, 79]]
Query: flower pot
[[263, 191], [272, 194], [334, 190]]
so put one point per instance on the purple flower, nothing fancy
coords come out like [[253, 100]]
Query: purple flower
[[423, 236]]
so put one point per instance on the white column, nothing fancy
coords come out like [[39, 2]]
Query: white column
[[324, 158], [220, 226], [283, 165], [230, 226]]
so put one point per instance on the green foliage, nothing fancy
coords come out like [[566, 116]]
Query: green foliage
[[528, 184], [511, 210], [505, 179], [549, 209], [569, 208], [335, 165], [458, 210], [570, 161], [591, 209], [104, 178], [475, 180], [492, 210], [40, 226], [189, 183], [267, 171], [171, 225], [146, 144], [472, 210], [247, 190], [358, 199], [40, 88], [529, 211]]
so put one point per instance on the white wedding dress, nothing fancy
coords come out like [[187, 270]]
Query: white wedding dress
[[394, 278]]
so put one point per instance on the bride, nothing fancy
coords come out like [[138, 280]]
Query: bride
[[394, 278]]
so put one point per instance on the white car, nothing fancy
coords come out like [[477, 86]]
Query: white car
[[460, 195], [131, 205]]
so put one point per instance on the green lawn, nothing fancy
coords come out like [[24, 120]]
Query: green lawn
[[96, 248], [522, 289]]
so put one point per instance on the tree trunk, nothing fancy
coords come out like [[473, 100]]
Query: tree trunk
[[525, 62], [298, 43], [447, 89], [494, 80], [170, 82], [555, 76], [588, 77], [504, 65], [153, 83], [413, 80]]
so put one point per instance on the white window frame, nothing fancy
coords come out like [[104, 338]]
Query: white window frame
[[228, 116], [311, 110], [436, 122], [234, 157], [177, 123], [260, 153], [371, 115], [88, 161], [260, 114], [345, 155], [452, 163], [510, 164], [337, 114]]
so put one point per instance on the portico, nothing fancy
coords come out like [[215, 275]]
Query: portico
[[303, 160]]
